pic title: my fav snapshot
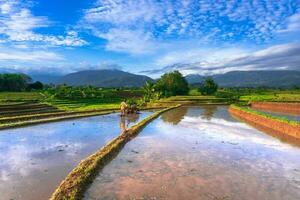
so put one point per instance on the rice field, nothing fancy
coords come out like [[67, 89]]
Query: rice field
[[284, 96]]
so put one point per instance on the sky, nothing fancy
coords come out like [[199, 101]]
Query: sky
[[149, 37]]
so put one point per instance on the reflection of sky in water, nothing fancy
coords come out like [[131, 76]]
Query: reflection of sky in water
[[45, 153], [200, 151]]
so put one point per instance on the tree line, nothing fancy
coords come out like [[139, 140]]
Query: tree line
[[169, 84], [172, 84], [18, 83]]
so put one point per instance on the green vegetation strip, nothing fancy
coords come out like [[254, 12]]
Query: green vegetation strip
[[77, 181], [269, 116], [52, 119]]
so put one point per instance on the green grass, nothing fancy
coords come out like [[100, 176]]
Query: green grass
[[196, 99], [278, 118], [277, 96], [194, 92], [84, 104], [8, 97]]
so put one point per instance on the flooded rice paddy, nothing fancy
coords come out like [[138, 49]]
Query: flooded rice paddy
[[201, 153], [35, 159]]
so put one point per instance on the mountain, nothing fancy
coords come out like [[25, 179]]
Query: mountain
[[275, 78], [46, 78], [194, 78], [104, 78]]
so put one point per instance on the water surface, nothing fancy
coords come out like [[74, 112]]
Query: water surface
[[201, 153], [34, 159]]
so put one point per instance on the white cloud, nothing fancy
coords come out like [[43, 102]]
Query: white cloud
[[29, 60], [206, 20], [209, 61], [32, 56], [97, 66], [293, 24], [124, 40], [18, 24], [207, 55], [121, 12]]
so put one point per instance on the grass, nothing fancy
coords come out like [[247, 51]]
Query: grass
[[84, 104], [276, 96], [269, 116], [194, 92], [75, 184], [6, 119], [8, 97], [196, 99]]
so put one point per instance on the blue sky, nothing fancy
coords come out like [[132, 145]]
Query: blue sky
[[149, 36]]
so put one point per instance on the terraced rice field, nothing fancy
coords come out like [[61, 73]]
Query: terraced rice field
[[288, 116], [7, 97], [35, 159], [20, 114], [195, 100], [200, 153], [21, 109], [84, 104]]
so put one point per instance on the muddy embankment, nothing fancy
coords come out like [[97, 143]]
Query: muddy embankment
[[276, 127], [74, 185], [289, 108]]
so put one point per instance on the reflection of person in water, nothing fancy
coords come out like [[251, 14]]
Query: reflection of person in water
[[132, 118], [123, 124], [174, 116], [125, 121], [209, 112]]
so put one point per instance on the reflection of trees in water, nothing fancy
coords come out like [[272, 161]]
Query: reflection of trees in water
[[128, 119], [174, 116], [208, 112]]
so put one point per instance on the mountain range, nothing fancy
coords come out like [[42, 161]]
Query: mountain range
[[275, 78], [118, 78], [98, 78]]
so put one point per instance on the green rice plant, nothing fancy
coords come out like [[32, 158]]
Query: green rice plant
[[269, 116]]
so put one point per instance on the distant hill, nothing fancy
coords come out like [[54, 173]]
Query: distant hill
[[104, 78], [46, 78], [282, 78]]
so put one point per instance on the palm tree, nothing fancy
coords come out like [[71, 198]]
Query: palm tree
[[149, 90]]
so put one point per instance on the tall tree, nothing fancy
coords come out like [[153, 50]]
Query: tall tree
[[209, 86], [172, 83], [14, 82]]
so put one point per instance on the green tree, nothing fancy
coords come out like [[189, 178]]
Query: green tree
[[295, 87], [149, 91], [172, 83], [36, 86], [209, 86], [14, 82]]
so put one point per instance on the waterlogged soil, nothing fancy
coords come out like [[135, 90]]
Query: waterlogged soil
[[201, 153], [289, 116], [35, 159]]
